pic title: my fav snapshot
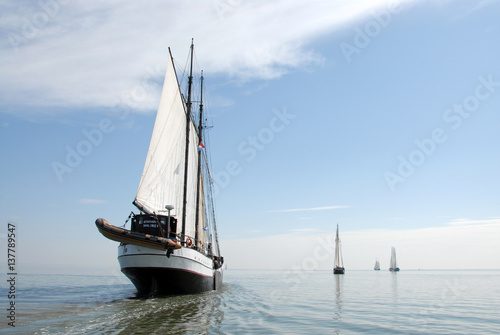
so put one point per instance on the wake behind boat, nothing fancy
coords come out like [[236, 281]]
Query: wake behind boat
[[339, 262], [172, 245]]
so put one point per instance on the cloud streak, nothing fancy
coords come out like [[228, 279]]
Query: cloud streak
[[304, 230], [468, 222], [326, 208]]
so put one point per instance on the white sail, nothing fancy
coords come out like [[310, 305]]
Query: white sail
[[338, 262], [192, 181], [377, 265], [393, 258], [162, 181]]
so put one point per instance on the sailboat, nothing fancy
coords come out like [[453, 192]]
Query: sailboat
[[172, 245], [394, 266], [377, 265], [339, 262]]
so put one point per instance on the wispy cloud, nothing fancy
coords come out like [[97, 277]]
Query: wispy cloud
[[80, 57], [304, 230], [91, 201], [475, 6], [468, 222], [326, 208], [254, 231]]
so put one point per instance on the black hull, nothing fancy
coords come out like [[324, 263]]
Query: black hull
[[159, 281], [394, 270], [339, 271]]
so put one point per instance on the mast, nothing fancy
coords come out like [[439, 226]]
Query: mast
[[200, 133], [186, 159]]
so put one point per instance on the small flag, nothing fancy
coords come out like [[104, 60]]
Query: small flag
[[201, 146]]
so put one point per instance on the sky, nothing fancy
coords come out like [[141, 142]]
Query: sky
[[379, 116]]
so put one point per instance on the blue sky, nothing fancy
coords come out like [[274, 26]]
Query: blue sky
[[380, 116]]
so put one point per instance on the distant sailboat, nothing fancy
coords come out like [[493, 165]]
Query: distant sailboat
[[339, 262], [377, 265], [394, 266]]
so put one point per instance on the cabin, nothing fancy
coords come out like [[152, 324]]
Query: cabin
[[156, 225]]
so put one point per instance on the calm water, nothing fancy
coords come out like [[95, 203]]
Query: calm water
[[266, 302]]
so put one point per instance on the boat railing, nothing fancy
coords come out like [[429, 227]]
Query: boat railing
[[190, 242]]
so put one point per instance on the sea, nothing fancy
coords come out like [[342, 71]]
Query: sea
[[263, 302]]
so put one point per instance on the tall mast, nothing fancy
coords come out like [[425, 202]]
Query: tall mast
[[200, 136], [337, 247], [188, 121]]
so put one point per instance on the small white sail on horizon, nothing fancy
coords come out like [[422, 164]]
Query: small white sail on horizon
[[393, 266], [339, 262]]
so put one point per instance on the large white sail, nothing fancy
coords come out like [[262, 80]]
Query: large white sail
[[162, 181], [337, 250], [192, 181]]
